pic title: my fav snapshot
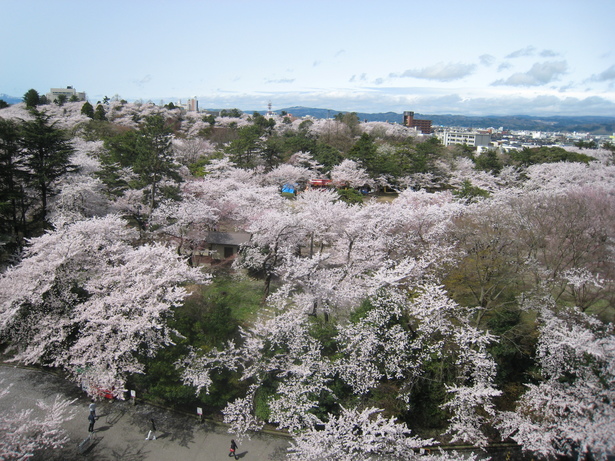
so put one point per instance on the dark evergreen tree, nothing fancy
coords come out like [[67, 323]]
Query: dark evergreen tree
[[87, 109], [155, 161], [13, 202], [31, 98], [148, 152], [47, 152], [488, 161], [244, 150], [365, 152], [61, 99], [100, 114], [272, 152]]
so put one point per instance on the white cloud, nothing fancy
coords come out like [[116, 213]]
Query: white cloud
[[441, 72], [539, 74], [358, 78], [486, 59], [144, 80], [607, 75], [527, 51], [399, 99], [280, 80], [548, 54]]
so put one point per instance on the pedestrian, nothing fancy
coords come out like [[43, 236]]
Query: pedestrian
[[93, 408], [233, 449], [152, 432], [92, 420]]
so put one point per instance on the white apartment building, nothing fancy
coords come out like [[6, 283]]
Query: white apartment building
[[69, 92], [471, 138]]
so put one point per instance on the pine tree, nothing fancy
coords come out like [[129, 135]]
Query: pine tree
[[87, 109], [31, 98], [47, 153], [99, 114]]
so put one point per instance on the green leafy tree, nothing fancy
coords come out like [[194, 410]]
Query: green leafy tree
[[31, 98], [245, 149], [3, 104], [47, 152], [155, 161], [272, 152], [264, 123], [87, 109], [99, 113], [13, 202], [470, 192], [365, 152], [531, 156], [148, 152], [423, 157], [61, 99], [351, 120], [488, 161], [328, 156], [211, 119], [586, 144], [408, 159], [234, 113]]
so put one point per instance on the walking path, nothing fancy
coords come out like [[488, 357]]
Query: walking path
[[121, 428]]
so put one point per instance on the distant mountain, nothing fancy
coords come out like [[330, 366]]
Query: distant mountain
[[329, 113], [591, 124], [10, 99]]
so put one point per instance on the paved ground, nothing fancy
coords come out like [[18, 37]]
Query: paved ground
[[121, 428]]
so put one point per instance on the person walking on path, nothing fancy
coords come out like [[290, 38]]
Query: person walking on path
[[93, 408], [152, 432], [233, 449], [92, 420]]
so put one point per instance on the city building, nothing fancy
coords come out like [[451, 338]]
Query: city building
[[69, 92], [424, 126], [470, 138], [192, 105]]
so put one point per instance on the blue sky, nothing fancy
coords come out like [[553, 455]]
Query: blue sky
[[471, 57]]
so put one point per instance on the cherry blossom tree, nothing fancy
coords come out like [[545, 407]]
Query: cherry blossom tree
[[81, 192], [239, 415], [306, 160], [357, 435], [277, 347], [349, 174], [189, 150], [569, 411], [83, 299], [562, 175], [379, 346], [25, 432], [563, 232], [364, 435], [185, 223], [286, 173]]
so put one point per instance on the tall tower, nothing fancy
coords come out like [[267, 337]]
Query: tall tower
[[408, 118], [269, 111]]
